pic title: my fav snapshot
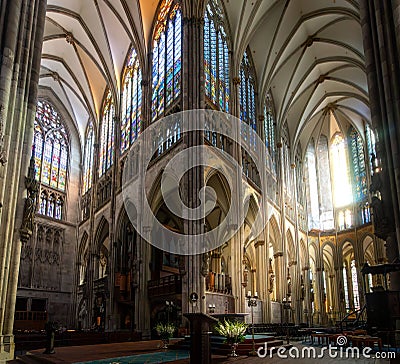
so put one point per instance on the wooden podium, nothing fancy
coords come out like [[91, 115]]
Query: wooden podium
[[200, 349]]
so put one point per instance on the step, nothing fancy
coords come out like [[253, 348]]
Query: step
[[33, 359]]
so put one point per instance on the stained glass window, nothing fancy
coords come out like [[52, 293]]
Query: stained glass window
[[348, 218], [269, 127], [299, 176], [358, 165], [88, 161], [247, 92], [107, 135], [131, 122], [343, 195], [167, 57], [312, 190], [286, 158], [370, 137], [216, 57], [50, 147]]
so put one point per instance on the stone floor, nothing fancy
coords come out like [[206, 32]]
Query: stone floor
[[95, 352]]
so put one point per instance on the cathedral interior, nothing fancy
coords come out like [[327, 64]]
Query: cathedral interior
[[80, 81]]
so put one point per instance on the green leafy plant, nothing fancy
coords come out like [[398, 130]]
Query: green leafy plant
[[165, 331], [234, 331]]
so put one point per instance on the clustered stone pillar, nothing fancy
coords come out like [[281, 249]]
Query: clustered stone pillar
[[193, 98], [22, 27], [380, 22]]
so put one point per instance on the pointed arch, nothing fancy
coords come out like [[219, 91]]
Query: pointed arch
[[101, 234], [275, 234], [290, 246]]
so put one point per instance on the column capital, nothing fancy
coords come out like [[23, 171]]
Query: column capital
[[259, 243], [278, 254], [236, 81], [293, 262]]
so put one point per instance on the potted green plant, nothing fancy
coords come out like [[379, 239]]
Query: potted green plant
[[234, 332], [165, 331]]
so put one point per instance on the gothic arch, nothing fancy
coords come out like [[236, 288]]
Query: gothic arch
[[102, 233], [343, 242], [303, 254], [83, 244], [276, 235], [291, 252], [369, 254]]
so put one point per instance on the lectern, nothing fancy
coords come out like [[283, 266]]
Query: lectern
[[200, 349]]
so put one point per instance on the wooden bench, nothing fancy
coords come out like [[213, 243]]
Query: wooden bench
[[321, 336], [365, 341]]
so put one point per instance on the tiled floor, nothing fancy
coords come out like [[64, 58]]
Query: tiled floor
[[109, 351], [76, 354]]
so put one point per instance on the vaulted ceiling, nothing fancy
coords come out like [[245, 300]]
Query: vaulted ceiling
[[309, 53]]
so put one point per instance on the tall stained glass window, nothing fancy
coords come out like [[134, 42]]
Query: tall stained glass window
[[131, 122], [167, 57], [312, 190], [50, 147], [216, 56], [269, 127], [371, 141], [107, 135], [247, 92], [88, 161], [343, 194], [358, 165]]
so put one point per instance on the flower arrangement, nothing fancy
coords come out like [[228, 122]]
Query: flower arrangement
[[234, 331], [165, 331]]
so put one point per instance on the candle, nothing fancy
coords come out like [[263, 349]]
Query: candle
[[256, 295], [249, 294]]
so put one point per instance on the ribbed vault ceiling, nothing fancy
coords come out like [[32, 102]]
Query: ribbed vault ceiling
[[309, 53]]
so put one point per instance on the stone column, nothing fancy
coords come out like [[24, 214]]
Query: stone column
[[282, 205], [142, 304], [193, 181], [380, 21], [278, 276], [240, 290], [307, 307], [22, 24], [319, 295]]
